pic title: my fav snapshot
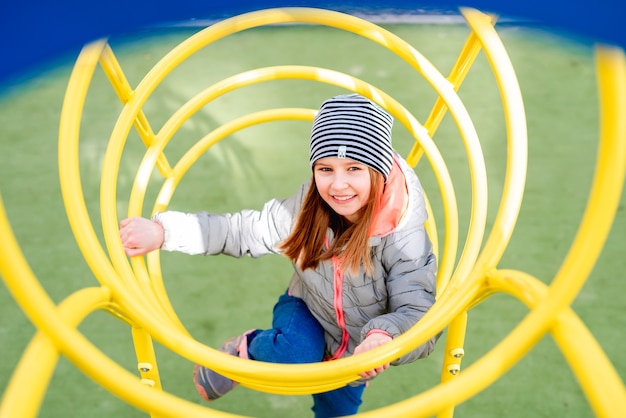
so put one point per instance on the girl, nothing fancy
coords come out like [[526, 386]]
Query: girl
[[364, 270]]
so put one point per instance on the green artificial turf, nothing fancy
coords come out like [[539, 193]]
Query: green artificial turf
[[217, 297]]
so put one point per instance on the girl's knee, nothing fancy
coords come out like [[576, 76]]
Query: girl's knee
[[300, 350]]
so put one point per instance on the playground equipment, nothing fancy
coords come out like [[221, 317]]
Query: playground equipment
[[133, 289]]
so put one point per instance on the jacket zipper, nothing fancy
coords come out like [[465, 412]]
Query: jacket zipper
[[338, 304]]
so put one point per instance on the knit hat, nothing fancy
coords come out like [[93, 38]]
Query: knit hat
[[352, 126]]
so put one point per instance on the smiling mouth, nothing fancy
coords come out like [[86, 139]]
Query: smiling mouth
[[343, 198]]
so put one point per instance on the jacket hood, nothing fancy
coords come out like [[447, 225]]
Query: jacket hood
[[393, 202]]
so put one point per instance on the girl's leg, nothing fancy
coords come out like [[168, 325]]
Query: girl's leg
[[339, 402], [295, 337]]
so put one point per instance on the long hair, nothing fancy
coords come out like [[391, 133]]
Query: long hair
[[306, 245]]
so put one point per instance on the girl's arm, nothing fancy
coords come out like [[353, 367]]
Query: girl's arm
[[249, 232]]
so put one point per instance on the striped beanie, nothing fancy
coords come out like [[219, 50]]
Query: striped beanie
[[352, 126]]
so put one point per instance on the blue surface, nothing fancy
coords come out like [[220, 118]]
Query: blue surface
[[35, 33]]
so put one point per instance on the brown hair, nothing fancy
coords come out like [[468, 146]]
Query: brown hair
[[306, 243]]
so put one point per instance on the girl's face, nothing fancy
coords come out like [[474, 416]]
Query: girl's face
[[344, 184]]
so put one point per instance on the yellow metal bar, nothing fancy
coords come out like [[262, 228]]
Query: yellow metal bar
[[596, 375], [473, 379], [604, 196], [453, 355], [582, 350], [517, 140], [76, 211], [24, 393], [598, 217], [456, 76], [484, 35], [610, 171], [454, 351], [69, 170], [115, 74], [146, 358], [138, 285], [44, 315], [603, 201], [121, 284]]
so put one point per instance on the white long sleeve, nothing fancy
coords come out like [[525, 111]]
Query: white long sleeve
[[183, 232]]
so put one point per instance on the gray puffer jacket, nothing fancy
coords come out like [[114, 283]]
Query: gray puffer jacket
[[397, 294]]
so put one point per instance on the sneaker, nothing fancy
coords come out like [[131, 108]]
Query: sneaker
[[212, 385]]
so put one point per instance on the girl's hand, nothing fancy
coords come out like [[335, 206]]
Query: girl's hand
[[375, 339], [140, 235]]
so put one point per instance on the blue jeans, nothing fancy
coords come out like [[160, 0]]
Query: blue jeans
[[297, 337]]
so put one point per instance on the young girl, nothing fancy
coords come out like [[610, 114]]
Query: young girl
[[364, 270]]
